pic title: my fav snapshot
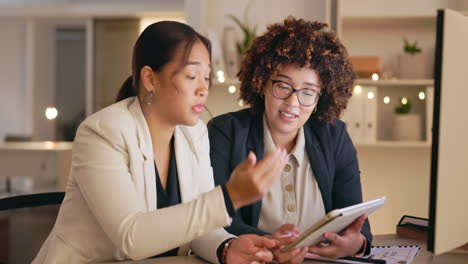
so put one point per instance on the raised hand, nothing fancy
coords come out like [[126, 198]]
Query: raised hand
[[250, 180]]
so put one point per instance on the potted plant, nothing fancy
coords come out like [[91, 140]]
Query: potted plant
[[406, 126], [412, 61], [249, 32], [249, 35]]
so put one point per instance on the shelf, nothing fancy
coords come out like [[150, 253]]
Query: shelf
[[396, 82], [395, 144], [389, 19], [388, 82]]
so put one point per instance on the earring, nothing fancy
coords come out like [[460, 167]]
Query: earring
[[315, 110], [149, 98]]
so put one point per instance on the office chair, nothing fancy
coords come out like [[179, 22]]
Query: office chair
[[25, 223]]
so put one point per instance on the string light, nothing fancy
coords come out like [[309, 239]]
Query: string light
[[404, 100], [232, 89], [51, 113], [221, 77], [375, 76], [386, 100], [370, 95], [422, 95], [358, 89]]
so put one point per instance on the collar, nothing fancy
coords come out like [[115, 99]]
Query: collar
[[298, 151]]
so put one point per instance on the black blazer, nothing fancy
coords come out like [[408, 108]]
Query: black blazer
[[332, 157]]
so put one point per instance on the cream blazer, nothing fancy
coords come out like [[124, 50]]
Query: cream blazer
[[109, 210]]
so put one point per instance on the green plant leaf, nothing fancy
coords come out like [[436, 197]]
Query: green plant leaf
[[249, 35], [411, 48], [403, 108]]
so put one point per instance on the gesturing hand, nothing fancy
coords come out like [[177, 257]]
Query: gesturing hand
[[250, 180]]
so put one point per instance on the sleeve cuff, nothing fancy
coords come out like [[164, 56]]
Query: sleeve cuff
[[219, 251], [228, 202], [367, 251], [365, 248]]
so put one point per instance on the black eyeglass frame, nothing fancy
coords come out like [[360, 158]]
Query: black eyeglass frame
[[273, 82]]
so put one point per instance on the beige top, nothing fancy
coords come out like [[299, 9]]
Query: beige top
[[295, 197]]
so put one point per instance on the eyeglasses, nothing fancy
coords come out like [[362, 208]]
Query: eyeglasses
[[283, 90]]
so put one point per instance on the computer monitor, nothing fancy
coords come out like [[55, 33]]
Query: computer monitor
[[448, 206]]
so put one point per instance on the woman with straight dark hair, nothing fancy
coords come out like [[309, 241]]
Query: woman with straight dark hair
[[141, 183]]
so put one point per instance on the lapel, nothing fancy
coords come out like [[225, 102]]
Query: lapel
[[255, 144], [317, 162], [255, 137], [145, 145], [185, 157]]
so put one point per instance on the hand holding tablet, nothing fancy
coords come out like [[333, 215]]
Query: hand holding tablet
[[335, 221]]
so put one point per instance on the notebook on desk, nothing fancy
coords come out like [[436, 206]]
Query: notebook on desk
[[395, 254]]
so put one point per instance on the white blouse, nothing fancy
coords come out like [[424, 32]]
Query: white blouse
[[295, 197]]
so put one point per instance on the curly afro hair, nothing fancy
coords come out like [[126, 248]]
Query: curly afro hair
[[305, 44]]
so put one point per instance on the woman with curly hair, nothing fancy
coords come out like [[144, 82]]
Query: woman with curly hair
[[297, 80]]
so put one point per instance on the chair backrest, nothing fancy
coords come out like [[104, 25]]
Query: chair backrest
[[25, 223], [17, 138]]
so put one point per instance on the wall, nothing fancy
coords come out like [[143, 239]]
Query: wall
[[402, 174], [265, 12], [13, 109], [47, 8], [114, 40], [397, 7], [44, 72], [70, 80]]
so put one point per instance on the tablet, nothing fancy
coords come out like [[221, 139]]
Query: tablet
[[335, 221]]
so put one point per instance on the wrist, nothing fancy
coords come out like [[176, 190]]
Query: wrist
[[235, 198], [362, 249], [225, 250]]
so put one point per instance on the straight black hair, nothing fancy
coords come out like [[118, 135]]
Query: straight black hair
[[155, 47]]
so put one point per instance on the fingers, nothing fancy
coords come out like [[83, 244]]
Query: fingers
[[252, 159], [272, 160], [285, 240], [263, 242], [331, 251], [286, 256], [309, 255], [264, 255], [333, 238], [294, 256], [334, 250], [356, 226], [286, 229], [274, 170], [249, 162], [299, 258]]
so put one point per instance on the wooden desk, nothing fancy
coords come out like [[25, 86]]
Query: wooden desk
[[424, 256], [47, 162]]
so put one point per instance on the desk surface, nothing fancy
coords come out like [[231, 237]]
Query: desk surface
[[424, 256]]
